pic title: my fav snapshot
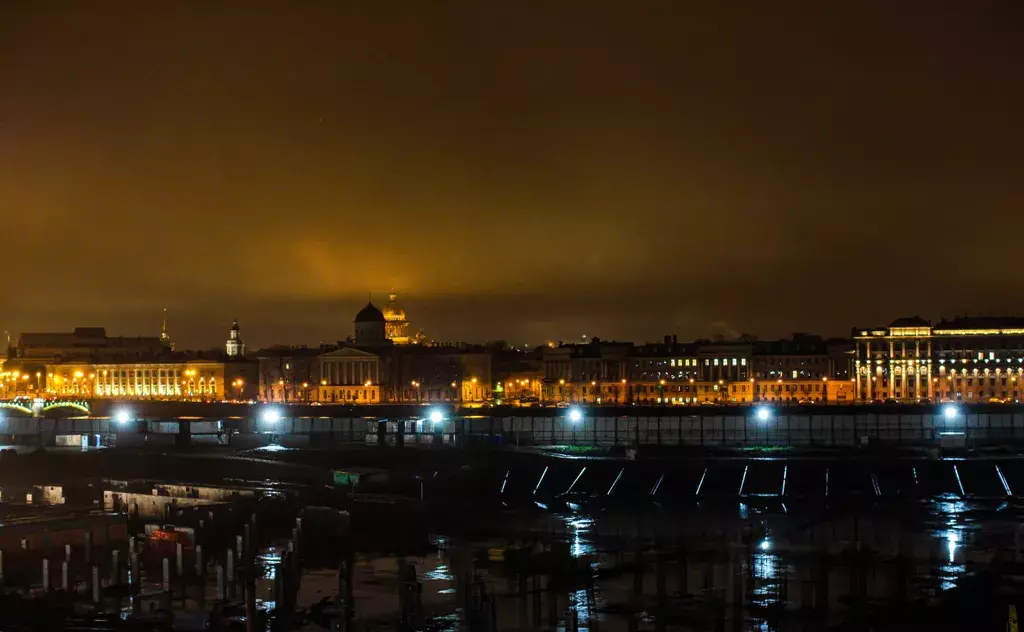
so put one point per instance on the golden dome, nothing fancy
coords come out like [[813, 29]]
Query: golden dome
[[393, 312]]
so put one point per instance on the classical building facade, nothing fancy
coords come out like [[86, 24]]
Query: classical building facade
[[168, 377], [350, 376], [968, 359]]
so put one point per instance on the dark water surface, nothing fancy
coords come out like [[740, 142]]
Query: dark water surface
[[702, 568]]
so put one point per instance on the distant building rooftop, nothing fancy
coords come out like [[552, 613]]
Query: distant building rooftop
[[982, 322], [910, 321]]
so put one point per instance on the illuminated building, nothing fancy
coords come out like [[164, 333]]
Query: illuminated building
[[967, 359], [350, 376], [595, 372], [371, 369], [440, 373], [170, 377], [290, 374], [396, 325], [235, 346]]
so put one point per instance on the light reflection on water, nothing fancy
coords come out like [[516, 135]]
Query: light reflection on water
[[951, 536], [580, 526]]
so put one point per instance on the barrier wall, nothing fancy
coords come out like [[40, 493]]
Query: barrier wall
[[725, 429]]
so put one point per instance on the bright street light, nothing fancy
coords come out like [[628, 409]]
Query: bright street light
[[950, 412], [271, 415], [436, 416], [575, 414], [763, 414], [122, 417]]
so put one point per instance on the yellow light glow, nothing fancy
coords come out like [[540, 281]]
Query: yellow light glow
[[561, 381]]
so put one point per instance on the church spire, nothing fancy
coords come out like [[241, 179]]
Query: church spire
[[165, 337]]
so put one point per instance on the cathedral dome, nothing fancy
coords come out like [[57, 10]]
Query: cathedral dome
[[369, 314], [393, 312]]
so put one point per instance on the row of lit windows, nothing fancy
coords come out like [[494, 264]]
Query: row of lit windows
[[683, 362], [351, 395]]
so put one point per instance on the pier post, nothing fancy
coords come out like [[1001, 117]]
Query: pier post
[[67, 552], [64, 576], [95, 583], [46, 575], [251, 613], [221, 594], [230, 573], [167, 575], [115, 570], [238, 547], [199, 560], [180, 559]]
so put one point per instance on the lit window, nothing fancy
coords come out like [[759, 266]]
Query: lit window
[[672, 362], [716, 361], [743, 361], [991, 355], [734, 361], [794, 374]]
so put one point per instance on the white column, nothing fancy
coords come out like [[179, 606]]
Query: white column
[[917, 368], [892, 369], [931, 374], [870, 372]]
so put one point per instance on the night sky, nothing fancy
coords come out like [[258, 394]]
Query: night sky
[[516, 170]]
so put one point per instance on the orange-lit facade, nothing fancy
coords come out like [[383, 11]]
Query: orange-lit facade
[[969, 360], [200, 380]]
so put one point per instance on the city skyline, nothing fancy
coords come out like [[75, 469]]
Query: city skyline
[[524, 173]]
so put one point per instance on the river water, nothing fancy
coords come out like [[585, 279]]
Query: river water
[[727, 567]]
